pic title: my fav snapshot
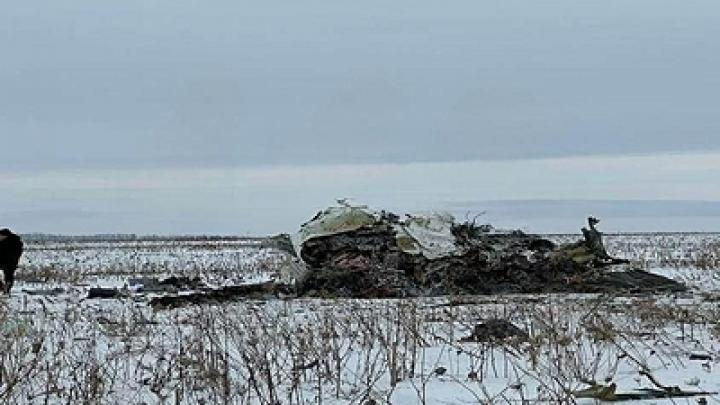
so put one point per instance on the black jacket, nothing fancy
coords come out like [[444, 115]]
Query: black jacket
[[11, 248]]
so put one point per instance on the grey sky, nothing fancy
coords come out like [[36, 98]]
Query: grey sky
[[186, 84], [245, 117]]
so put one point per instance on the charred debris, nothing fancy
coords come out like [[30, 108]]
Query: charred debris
[[351, 251]]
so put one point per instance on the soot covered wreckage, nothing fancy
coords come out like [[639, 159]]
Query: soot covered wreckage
[[356, 252], [353, 251]]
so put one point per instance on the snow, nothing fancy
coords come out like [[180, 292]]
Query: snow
[[66, 348]]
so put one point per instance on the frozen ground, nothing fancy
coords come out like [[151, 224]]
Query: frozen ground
[[59, 347]]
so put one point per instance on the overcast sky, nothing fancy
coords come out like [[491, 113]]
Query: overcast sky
[[180, 90]]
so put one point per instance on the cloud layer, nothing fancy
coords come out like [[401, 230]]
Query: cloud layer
[[130, 84]]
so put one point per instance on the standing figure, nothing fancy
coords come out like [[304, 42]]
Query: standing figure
[[11, 248]]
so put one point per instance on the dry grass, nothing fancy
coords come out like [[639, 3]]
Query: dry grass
[[63, 349], [313, 351]]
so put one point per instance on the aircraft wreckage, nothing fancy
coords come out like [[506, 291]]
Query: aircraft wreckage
[[353, 251]]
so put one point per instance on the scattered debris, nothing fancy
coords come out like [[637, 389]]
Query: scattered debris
[[170, 284], [700, 356], [598, 391], [495, 331], [220, 295], [308, 366], [608, 393], [45, 292], [627, 281], [105, 293]]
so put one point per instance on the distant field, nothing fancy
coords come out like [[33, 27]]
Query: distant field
[[76, 258]]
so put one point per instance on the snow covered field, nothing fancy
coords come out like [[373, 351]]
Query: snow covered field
[[60, 347]]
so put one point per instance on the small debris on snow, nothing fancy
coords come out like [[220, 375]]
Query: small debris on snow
[[495, 331]]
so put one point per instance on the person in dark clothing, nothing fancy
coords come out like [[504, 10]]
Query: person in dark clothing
[[11, 248]]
